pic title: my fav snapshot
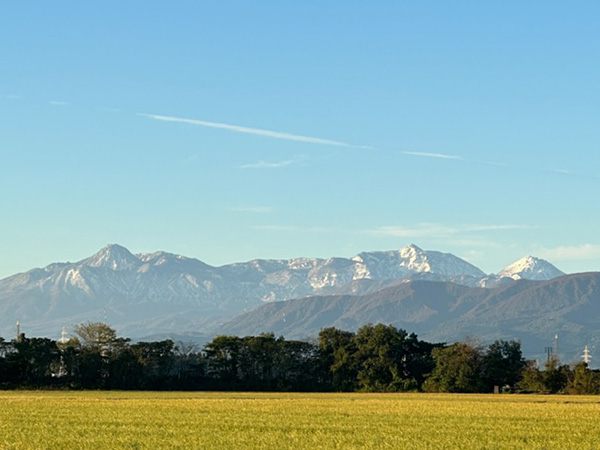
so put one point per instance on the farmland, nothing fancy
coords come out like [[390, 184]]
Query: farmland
[[45, 419]]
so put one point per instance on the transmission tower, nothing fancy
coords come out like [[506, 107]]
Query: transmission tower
[[63, 336], [586, 355]]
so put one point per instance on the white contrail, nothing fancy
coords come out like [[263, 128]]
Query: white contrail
[[269, 165], [432, 155], [256, 131]]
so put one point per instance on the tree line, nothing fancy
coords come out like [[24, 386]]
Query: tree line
[[377, 358]]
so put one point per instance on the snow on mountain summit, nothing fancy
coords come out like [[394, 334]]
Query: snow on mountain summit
[[415, 258], [530, 268], [114, 257], [412, 259]]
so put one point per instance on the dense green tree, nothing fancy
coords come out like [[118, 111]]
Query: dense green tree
[[257, 361], [337, 349], [556, 376], [378, 358], [458, 368], [503, 363], [99, 355], [156, 361], [32, 361], [553, 379], [389, 359], [532, 379], [583, 380]]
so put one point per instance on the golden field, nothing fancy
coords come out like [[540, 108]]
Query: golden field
[[108, 420]]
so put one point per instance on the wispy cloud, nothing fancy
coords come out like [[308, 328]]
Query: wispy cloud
[[298, 229], [433, 155], [256, 131], [58, 103], [571, 252], [494, 163], [440, 230], [273, 164], [10, 96], [425, 230], [252, 209]]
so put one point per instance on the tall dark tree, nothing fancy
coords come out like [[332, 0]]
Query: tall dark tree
[[156, 362], [223, 360], [502, 364], [299, 367], [189, 366], [338, 349], [100, 349]]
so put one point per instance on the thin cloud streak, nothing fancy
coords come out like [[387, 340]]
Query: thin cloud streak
[[433, 155], [58, 103], [272, 164], [496, 164], [441, 230], [561, 171], [255, 131], [252, 209], [422, 230], [297, 229]]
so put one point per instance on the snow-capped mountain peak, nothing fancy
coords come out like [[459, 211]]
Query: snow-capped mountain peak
[[413, 260], [114, 257], [530, 268]]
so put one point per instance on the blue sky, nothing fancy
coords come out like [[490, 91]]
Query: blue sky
[[229, 131]]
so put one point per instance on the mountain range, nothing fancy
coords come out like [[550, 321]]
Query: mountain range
[[532, 311], [165, 294]]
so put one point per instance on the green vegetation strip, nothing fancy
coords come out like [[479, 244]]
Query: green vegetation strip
[[98, 420]]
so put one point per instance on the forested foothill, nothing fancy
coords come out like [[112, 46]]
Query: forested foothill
[[377, 358]]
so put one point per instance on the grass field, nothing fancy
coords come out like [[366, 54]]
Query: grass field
[[103, 420]]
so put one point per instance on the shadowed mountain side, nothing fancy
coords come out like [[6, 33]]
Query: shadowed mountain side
[[533, 311], [410, 305]]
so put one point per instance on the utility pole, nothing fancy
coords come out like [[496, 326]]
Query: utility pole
[[548, 351]]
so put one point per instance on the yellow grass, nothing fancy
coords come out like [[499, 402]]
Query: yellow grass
[[107, 420]]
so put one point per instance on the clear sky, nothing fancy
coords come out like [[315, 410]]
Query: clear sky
[[234, 130]]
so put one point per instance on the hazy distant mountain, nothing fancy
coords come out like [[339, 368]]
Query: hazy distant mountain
[[533, 311], [157, 293]]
